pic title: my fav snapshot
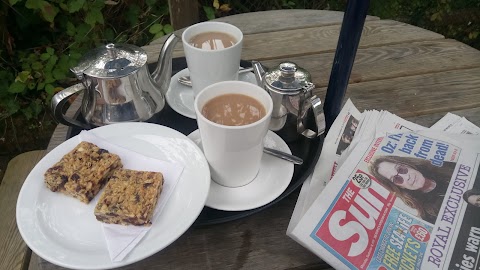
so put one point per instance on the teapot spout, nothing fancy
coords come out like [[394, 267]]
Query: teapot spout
[[163, 72], [259, 72]]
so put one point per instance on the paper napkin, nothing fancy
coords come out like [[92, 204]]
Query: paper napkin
[[122, 239]]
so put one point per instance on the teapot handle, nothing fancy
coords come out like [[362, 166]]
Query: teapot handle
[[315, 104], [59, 100]]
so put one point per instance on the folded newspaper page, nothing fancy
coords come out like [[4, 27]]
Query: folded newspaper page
[[339, 137], [400, 201], [349, 128], [446, 122], [456, 124]]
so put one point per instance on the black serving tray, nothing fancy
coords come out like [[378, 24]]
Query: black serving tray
[[308, 149]]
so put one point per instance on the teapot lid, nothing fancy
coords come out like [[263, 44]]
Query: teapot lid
[[288, 78], [111, 61]]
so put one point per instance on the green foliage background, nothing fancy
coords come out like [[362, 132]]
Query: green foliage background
[[42, 39]]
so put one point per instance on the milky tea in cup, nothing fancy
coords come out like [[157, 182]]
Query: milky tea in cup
[[233, 110], [213, 51], [212, 41], [233, 119]]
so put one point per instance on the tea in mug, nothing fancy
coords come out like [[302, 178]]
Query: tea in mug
[[233, 110], [212, 41]]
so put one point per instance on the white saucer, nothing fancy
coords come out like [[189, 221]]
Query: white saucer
[[180, 97], [273, 178]]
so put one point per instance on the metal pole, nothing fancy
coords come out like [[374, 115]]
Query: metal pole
[[350, 33]]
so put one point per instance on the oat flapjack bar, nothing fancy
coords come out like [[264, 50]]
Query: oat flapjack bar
[[130, 198], [82, 172]]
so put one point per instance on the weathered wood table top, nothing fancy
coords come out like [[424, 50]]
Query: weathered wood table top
[[412, 72]]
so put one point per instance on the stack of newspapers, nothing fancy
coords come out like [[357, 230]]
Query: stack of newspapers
[[390, 194]]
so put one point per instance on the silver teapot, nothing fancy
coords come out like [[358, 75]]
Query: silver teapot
[[117, 86], [291, 90]]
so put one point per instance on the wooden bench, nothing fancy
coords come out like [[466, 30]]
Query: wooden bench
[[14, 253]]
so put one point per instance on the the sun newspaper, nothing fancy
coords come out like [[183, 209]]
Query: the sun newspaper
[[401, 200]]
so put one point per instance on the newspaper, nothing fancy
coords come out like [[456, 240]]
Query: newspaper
[[350, 127], [363, 220]]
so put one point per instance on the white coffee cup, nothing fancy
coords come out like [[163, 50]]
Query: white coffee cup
[[210, 66], [233, 152]]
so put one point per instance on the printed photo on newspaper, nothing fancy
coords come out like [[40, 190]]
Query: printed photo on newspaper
[[350, 126], [404, 200]]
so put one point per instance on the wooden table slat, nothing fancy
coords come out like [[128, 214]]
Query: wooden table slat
[[398, 60], [418, 95], [14, 253], [307, 41], [427, 120], [268, 21]]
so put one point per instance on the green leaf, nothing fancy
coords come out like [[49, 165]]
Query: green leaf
[[210, 12], [167, 28], [50, 50], [12, 106], [44, 56], [58, 74], [27, 112], [49, 78], [40, 86], [158, 35], [63, 6], [33, 4], [17, 87], [155, 28], [48, 11], [70, 29], [31, 85], [13, 2], [37, 75], [23, 76], [94, 16], [81, 32], [37, 66], [63, 63], [6, 77], [100, 4], [49, 89], [36, 106], [109, 35], [75, 5], [51, 63], [32, 57]]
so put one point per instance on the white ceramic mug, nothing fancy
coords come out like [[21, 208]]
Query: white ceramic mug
[[233, 152], [210, 66]]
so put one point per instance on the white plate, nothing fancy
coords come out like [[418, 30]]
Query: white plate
[[64, 231], [180, 97], [273, 178]]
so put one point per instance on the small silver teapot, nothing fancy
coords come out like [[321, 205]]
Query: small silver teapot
[[291, 90], [117, 86]]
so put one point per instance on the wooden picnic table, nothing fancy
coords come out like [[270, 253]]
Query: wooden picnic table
[[409, 71]]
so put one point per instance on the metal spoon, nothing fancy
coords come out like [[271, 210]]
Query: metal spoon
[[185, 80], [277, 153]]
